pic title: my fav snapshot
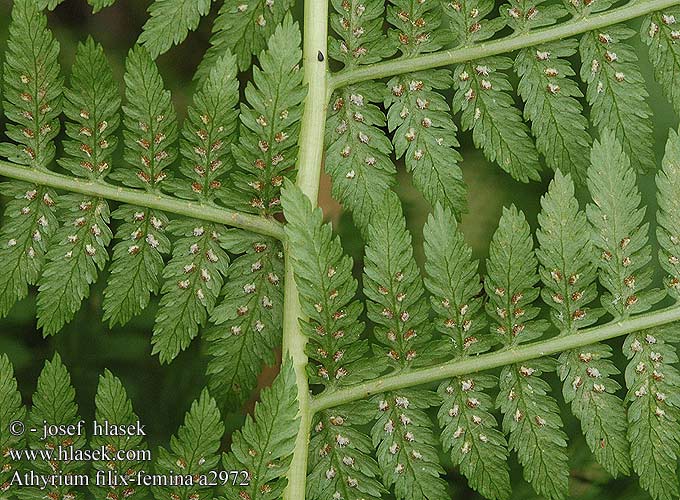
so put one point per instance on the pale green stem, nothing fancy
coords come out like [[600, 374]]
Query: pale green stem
[[501, 46], [309, 172], [138, 197], [497, 359]]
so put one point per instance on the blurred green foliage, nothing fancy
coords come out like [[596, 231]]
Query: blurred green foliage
[[162, 394]]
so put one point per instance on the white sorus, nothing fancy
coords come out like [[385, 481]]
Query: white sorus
[[416, 455], [156, 223], [351, 482], [36, 235], [133, 249], [330, 473], [212, 257], [259, 326], [598, 388], [458, 433], [401, 402], [351, 174], [655, 356], [236, 330], [383, 405], [349, 461], [399, 469], [518, 415], [404, 419], [12, 242], [593, 372], [394, 449], [152, 241], [483, 438], [476, 419], [42, 221], [466, 385], [650, 339], [341, 440], [357, 99], [249, 288], [465, 449], [526, 371], [199, 294], [266, 302], [389, 427], [198, 231], [205, 275], [409, 437]]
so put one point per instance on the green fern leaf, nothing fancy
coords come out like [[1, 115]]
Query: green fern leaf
[[194, 450], [324, 277], [98, 5], [244, 29], [340, 456], [488, 110], [357, 154], [265, 444], [471, 433], [54, 402], [359, 26], [469, 430], [661, 31], [11, 410], [620, 234], [137, 262], [46, 4], [617, 94], [170, 23], [468, 23], [403, 436], [569, 272], [77, 254], [32, 87], [193, 280], [453, 280], [425, 135], [248, 317], [552, 107], [267, 149], [78, 249], [29, 224], [113, 405], [526, 15], [568, 269], [531, 416], [32, 91], [394, 290], [511, 281], [208, 133], [150, 134], [668, 215], [654, 411], [418, 26]]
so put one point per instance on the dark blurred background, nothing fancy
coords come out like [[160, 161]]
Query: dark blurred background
[[162, 394]]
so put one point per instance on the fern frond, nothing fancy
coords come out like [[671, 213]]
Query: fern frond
[[32, 90], [32, 87], [92, 107], [194, 450], [340, 457], [567, 256], [11, 410], [621, 235], [654, 411], [193, 280], [482, 95], [661, 32], [170, 22], [47, 4], [137, 262], [98, 5], [405, 443], [150, 124], [54, 402], [29, 223], [248, 317], [150, 134], [425, 135], [469, 430], [357, 154], [265, 444], [359, 26], [617, 93], [511, 281], [393, 287], [243, 29], [357, 150], [471, 434], [267, 148], [78, 250], [208, 133], [323, 275], [551, 104], [113, 405], [668, 215], [568, 271], [531, 416], [77, 254], [453, 280]]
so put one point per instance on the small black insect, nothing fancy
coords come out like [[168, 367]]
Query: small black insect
[[319, 56]]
